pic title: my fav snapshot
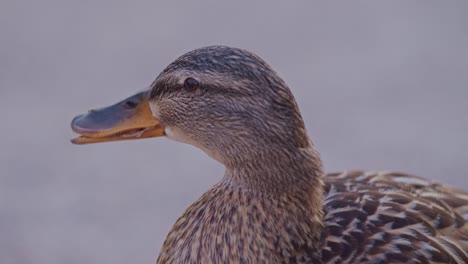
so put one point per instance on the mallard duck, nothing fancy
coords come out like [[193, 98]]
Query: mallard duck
[[274, 203]]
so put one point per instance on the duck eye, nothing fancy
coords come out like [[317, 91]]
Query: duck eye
[[191, 84]]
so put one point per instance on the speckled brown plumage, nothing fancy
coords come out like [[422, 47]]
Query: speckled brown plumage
[[390, 217], [230, 224], [274, 203], [368, 217]]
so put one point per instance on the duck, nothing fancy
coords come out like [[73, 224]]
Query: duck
[[275, 203]]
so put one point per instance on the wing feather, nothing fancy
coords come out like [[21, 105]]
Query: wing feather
[[392, 217]]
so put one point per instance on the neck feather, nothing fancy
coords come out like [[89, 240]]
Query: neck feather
[[278, 169], [293, 176]]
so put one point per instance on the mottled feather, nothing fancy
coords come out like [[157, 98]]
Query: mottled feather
[[388, 217]]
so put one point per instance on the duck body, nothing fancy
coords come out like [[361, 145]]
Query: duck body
[[369, 217], [274, 203]]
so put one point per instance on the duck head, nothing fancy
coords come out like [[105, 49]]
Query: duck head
[[226, 101]]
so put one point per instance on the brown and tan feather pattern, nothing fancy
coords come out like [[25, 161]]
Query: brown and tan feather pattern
[[274, 204], [232, 225], [393, 217], [369, 217]]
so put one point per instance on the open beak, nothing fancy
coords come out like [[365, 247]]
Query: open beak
[[128, 119]]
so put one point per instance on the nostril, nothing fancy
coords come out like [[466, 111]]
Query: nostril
[[130, 104]]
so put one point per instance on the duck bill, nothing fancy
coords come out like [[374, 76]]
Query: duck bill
[[128, 119]]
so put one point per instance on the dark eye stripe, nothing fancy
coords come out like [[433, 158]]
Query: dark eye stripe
[[190, 84]]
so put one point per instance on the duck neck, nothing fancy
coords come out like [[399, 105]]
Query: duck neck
[[278, 170], [290, 187]]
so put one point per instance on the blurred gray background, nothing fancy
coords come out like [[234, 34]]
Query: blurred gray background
[[381, 85]]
